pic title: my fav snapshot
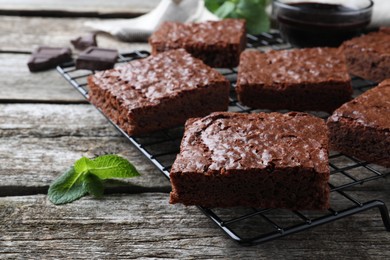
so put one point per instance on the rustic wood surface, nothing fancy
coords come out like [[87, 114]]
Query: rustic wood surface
[[116, 8], [17, 35], [45, 125]]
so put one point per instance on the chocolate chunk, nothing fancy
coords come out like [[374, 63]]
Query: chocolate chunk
[[95, 58], [83, 42], [44, 58]]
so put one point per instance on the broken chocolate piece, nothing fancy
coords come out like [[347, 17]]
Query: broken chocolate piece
[[95, 58], [44, 58], [83, 42]]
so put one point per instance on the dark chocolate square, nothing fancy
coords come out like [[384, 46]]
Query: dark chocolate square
[[95, 58], [85, 41], [44, 58]]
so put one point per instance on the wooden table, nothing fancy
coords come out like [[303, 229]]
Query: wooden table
[[45, 125]]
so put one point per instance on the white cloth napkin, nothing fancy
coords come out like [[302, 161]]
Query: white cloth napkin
[[140, 28], [380, 13]]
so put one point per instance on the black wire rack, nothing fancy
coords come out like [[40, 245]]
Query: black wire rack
[[250, 226]]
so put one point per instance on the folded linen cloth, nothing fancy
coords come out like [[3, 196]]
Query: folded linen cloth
[[140, 28]]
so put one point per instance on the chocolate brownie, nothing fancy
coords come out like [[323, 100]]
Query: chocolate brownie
[[297, 79], [361, 127], [257, 160], [368, 56], [158, 92], [385, 29], [217, 43]]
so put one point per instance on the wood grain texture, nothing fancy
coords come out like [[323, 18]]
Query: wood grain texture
[[45, 125], [26, 33], [39, 141], [18, 84], [96, 7], [146, 226]]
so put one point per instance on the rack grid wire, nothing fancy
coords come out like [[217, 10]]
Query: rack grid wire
[[251, 226]]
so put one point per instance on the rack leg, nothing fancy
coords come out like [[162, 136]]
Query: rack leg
[[384, 214]]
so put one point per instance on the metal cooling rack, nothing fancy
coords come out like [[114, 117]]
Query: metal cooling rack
[[250, 226]]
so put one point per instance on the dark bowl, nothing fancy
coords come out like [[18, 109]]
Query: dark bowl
[[321, 23]]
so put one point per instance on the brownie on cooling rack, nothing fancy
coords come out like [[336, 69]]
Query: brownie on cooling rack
[[158, 92], [361, 127], [298, 79], [217, 43], [368, 56], [265, 160], [384, 29]]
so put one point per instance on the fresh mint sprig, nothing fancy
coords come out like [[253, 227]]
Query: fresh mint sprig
[[86, 177], [253, 11]]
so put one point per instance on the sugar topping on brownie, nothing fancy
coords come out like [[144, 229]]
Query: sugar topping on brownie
[[292, 66], [371, 108], [227, 141], [378, 42], [210, 32], [157, 77], [312, 79]]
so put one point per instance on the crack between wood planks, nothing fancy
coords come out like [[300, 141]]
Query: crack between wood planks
[[13, 190], [67, 14], [51, 101]]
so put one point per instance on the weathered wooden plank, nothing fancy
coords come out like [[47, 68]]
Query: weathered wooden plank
[[39, 141], [33, 163], [26, 33], [53, 120], [20, 85], [146, 226], [97, 7]]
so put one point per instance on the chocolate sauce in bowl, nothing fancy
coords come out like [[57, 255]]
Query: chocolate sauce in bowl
[[307, 24]]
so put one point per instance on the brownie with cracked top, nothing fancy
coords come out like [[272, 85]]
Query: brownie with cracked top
[[266, 160], [299, 79], [217, 43], [158, 92], [361, 127], [368, 56]]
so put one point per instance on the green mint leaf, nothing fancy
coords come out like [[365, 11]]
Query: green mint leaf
[[86, 177], [213, 5], [112, 166], [259, 24], [253, 11], [225, 9], [93, 185], [67, 188], [83, 165]]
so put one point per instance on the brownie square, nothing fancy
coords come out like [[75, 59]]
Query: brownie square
[[361, 127], [158, 92], [217, 43], [256, 160], [368, 56], [384, 29], [297, 79]]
